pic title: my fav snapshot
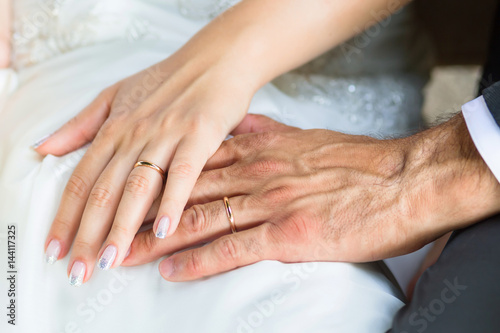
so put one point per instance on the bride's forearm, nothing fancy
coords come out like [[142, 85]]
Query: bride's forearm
[[5, 32], [262, 39]]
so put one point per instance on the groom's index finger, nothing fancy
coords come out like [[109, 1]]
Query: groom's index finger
[[223, 254]]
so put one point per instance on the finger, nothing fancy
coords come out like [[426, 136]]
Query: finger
[[199, 224], [227, 154], [187, 163], [79, 130], [100, 211], [224, 254], [256, 123], [233, 149], [218, 183], [74, 199], [143, 186], [153, 211], [242, 147]]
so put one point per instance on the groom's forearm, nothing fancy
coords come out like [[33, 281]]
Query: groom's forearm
[[452, 185], [261, 39]]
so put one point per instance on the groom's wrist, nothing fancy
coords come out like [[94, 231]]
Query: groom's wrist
[[449, 172]]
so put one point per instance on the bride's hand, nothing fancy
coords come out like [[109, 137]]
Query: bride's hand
[[175, 115]]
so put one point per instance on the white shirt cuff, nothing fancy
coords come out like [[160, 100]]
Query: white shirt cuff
[[485, 132]]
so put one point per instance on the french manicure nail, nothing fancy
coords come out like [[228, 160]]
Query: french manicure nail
[[163, 224], [107, 257], [167, 268], [77, 274], [40, 141], [53, 251]]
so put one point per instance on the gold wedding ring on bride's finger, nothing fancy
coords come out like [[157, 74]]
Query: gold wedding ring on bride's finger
[[151, 166], [230, 216]]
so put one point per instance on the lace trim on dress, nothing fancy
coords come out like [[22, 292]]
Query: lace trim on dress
[[39, 34], [204, 9]]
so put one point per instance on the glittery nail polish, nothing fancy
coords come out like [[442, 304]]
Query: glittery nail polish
[[107, 257], [53, 251], [41, 141], [77, 273], [161, 230]]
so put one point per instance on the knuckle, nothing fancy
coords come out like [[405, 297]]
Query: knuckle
[[101, 197], [278, 195], [300, 228], [137, 184], [266, 139], [246, 143], [61, 224], [174, 200], [194, 263], [141, 127], [77, 187], [82, 246], [273, 235], [228, 249], [199, 123], [167, 123], [197, 220], [181, 170], [149, 242], [121, 230], [265, 167], [120, 113], [109, 128]]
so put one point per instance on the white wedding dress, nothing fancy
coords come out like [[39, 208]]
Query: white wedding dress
[[65, 53]]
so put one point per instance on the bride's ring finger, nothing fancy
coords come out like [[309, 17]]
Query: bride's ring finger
[[198, 224], [142, 187]]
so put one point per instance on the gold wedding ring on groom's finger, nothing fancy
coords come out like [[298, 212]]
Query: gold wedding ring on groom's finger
[[151, 166], [230, 216]]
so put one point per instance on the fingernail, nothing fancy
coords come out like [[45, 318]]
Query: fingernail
[[40, 141], [77, 274], [167, 268], [128, 252], [53, 251], [107, 257], [163, 224]]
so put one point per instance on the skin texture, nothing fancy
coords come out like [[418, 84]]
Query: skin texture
[[176, 114], [5, 22], [317, 195]]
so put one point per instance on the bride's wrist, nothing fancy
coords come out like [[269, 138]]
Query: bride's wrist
[[221, 64], [451, 185]]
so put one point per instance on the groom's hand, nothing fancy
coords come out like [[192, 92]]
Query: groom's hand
[[317, 195]]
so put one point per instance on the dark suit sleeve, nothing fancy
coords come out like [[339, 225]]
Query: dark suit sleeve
[[491, 90], [492, 97], [491, 72]]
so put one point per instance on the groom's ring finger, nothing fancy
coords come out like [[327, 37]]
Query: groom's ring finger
[[225, 216], [200, 223]]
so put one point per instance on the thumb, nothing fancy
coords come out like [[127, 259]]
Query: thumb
[[256, 123], [79, 130]]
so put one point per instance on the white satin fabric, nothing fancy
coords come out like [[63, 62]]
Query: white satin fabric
[[265, 297]]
